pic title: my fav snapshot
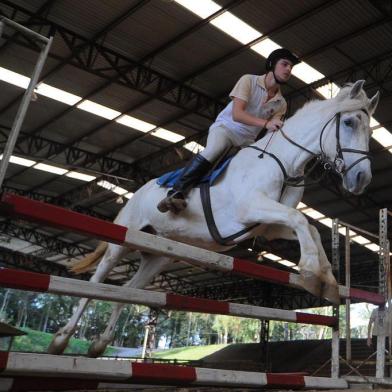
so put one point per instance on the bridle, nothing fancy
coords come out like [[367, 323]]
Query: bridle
[[337, 165]]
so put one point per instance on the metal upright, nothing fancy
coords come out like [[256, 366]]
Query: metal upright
[[336, 270], [383, 290], [45, 44]]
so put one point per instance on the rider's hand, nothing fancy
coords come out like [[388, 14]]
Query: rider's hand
[[274, 124]]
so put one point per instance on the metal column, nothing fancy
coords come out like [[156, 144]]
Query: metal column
[[383, 290], [264, 339], [347, 255], [335, 330], [45, 44]]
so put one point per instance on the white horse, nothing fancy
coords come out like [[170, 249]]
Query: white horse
[[249, 194]]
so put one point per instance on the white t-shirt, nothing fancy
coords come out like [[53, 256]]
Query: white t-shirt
[[250, 88]]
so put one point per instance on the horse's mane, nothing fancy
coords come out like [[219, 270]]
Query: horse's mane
[[329, 107]]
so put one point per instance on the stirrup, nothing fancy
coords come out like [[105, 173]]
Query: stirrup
[[174, 202]]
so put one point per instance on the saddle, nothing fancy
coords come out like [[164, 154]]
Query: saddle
[[168, 180]]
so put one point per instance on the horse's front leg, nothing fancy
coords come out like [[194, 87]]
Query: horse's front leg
[[330, 289], [263, 210]]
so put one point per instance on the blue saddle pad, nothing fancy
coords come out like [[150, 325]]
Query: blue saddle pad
[[168, 180]]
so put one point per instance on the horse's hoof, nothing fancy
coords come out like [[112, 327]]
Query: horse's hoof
[[331, 293], [311, 282], [96, 349], [57, 346], [163, 205], [177, 205], [172, 204]]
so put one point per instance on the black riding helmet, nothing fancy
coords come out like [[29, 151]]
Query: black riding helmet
[[277, 55]]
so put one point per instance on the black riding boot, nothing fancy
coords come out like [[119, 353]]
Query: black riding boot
[[193, 172]]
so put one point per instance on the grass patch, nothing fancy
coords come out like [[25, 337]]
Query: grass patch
[[189, 353], [36, 341]]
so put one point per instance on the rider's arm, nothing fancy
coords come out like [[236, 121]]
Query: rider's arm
[[241, 115], [240, 95]]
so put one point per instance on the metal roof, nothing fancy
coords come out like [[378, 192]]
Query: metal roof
[[159, 62]]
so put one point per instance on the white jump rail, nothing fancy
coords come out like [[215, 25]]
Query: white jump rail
[[14, 364], [32, 281], [58, 217]]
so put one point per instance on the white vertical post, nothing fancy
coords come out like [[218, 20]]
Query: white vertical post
[[380, 359], [335, 330], [22, 110], [145, 341], [347, 255]]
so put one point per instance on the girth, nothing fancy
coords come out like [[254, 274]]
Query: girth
[[212, 228]]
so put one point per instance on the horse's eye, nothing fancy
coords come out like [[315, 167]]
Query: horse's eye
[[348, 122]]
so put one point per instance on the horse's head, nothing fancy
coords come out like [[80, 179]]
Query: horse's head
[[346, 143]]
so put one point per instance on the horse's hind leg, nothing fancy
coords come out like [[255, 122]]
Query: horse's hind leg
[[150, 266], [112, 256]]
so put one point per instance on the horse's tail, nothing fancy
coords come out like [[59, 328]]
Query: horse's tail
[[90, 260]]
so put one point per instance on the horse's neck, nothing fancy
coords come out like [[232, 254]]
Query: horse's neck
[[304, 130]]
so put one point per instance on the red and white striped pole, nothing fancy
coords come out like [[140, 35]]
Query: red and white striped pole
[[33, 281], [45, 367]]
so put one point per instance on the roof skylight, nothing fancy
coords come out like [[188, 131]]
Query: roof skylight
[[202, 8], [98, 110], [80, 176], [111, 187], [20, 161], [50, 169], [235, 27]]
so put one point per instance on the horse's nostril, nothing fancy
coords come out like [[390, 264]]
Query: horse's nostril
[[359, 177]]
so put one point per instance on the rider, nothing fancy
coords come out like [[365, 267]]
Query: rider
[[238, 124]]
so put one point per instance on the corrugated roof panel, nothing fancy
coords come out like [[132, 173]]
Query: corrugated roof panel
[[73, 125], [32, 6], [383, 112], [369, 45], [330, 61], [88, 17], [74, 80], [327, 26], [21, 59], [193, 53], [222, 78], [156, 112], [151, 26], [118, 97], [268, 15], [111, 136], [139, 149]]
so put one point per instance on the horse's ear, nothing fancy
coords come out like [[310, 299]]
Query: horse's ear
[[356, 88], [374, 102]]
